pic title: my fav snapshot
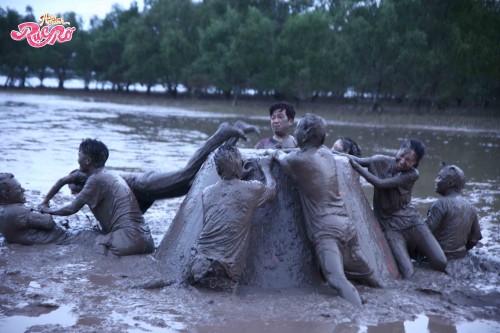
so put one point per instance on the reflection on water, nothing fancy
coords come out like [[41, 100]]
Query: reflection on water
[[61, 316], [432, 324]]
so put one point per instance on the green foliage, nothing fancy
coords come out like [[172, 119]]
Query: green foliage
[[426, 52]]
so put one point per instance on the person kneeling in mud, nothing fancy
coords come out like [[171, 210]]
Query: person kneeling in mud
[[219, 257], [20, 224], [393, 179], [112, 203], [330, 230], [453, 219]]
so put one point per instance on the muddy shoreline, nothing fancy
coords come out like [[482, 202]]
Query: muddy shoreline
[[90, 292]]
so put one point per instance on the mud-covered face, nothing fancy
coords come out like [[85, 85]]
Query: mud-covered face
[[406, 159], [83, 161], [338, 146], [441, 183], [280, 123], [14, 192]]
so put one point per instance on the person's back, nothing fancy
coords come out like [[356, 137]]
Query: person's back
[[111, 201], [218, 258], [332, 234], [228, 207], [319, 192]]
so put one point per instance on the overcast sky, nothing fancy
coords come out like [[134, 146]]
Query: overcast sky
[[83, 8]]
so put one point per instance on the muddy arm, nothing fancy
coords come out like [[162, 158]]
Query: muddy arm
[[475, 234], [434, 216], [363, 161], [56, 188], [270, 189], [40, 221], [246, 128], [391, 182]]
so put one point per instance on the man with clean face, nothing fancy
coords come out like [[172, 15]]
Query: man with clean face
[[282, 116]]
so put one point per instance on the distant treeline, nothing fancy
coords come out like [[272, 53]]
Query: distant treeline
[[422, 52]]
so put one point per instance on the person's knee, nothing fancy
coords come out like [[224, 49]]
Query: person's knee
[[439, 263]]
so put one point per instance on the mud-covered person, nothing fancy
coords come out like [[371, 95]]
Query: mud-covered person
[[393, 179], [21, 224], [347, 145], [219, 256], [452, 218], [282, 116], [330, 230], [111, 201]]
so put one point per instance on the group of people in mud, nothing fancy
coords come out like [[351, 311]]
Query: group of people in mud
[[118, 203]]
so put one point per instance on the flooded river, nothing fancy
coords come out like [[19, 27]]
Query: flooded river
[[40, 135]]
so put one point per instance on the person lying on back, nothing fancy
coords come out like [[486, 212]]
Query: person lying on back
[[20, 224]]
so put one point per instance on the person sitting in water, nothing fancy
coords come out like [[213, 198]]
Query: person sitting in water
[[393, 179], [155, 185], [219, 255], [112, 203], [21, 224], [452, 218], [282, 116], [347, 145], [332, 233]]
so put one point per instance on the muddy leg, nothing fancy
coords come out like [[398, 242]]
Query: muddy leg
[[397, 243], [332, 266], [428, 245]]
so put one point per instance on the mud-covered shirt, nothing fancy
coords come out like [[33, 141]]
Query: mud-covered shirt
[[271, 143], [454, 222], [228, 207], [392, 200], [22, 225], [111, 201], [324, 212]]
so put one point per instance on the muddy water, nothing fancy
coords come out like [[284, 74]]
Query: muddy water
[[39, 138]]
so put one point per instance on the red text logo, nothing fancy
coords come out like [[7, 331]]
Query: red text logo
[[50, 30]]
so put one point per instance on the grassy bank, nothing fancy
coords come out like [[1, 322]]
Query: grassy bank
[[340, 110]]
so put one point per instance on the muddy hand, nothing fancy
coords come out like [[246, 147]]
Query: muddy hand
[[41, 206], [355, 164], [231, 131], [247, 128]]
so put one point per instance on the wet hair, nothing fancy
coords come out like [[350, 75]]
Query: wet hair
[[456, 175], [96, 150], [228, 162], [290, 111], [350, 146], [4, 181], [417, 146], [315, 127]]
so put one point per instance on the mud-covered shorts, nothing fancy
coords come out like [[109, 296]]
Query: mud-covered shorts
[[208, 273], [355, 266]]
